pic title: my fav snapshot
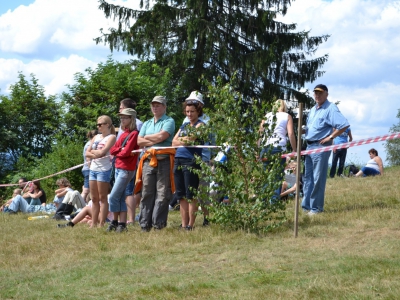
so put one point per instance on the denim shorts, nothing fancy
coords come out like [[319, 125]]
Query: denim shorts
[[85, 174], [100, 176]]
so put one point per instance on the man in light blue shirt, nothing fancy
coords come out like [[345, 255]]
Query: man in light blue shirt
[[156, 188], [324, 123]]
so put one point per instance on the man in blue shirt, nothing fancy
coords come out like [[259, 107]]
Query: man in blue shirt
[[156, 174], [324, 123], [340, 154]]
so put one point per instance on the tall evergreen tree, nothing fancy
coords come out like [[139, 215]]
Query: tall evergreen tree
[[392, 147], [218, 38]]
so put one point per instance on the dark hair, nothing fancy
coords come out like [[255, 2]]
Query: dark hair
[[37, 183], [91, 133], [23, 179], [197, 105], [373, 151], [128, 103]]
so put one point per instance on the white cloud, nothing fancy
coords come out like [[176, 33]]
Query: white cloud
[[53, 76]]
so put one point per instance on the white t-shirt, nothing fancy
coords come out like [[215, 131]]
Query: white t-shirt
[[104, 163], [279, 136]]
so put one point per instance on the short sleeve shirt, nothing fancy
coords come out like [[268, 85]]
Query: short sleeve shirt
[[164, 123], [322, 120]]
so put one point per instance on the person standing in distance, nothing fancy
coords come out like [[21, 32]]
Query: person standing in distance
[[154, 175], [340, 154], [324, 123]]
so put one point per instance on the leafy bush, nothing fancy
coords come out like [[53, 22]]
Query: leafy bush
[[243, 178]]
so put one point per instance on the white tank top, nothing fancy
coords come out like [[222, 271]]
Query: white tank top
[[373, 165], [279, 136], [104, 163]]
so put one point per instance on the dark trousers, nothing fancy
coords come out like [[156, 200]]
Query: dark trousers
[[340, 155]]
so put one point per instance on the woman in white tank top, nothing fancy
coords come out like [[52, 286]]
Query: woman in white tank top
[[373, 167], [100, 168]]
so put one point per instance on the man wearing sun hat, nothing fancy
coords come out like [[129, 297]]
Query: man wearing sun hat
[[155, 167], [324, 123]]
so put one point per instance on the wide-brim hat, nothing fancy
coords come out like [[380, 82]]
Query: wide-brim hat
[[195, 96]]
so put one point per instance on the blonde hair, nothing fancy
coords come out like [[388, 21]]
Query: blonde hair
[[280, 105], [107, 119], [17, 192], [64, 182]]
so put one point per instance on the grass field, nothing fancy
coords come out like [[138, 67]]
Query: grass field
[[351, 251]]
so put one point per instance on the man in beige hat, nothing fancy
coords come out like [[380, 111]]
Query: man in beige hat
[[155, 167]]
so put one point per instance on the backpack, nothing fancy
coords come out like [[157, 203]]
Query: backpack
[[351, 170]]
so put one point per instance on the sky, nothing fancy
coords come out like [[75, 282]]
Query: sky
[[53, 39]]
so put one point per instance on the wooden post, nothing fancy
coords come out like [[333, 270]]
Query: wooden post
[[298, 170]]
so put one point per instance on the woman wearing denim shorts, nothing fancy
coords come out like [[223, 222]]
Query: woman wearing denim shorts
[[100, 168], [125, 166]]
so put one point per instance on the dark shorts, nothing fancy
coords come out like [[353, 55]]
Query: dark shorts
[[186, 181]]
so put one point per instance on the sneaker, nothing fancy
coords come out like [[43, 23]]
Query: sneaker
[[206, 222], [64, 225], [170, 208], [111, 227], [121, 228], [313, 213], [189, 228], [305, 211]]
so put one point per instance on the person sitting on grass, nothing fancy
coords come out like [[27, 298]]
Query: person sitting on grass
[[72, 201], [64, 186], [84, 216], [15, 193], [19, 203], [373, 167], [289, 185]]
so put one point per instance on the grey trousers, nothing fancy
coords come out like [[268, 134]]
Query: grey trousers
[[156, 194], [74, 198]]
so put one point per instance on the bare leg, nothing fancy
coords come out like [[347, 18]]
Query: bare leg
[[82, 214], [193, 208], [95, 202], [184, 209], [360, 173], [103, 188], [85, 193], [130, 203]]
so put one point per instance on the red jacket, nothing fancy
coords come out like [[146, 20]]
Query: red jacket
[[124, 158]]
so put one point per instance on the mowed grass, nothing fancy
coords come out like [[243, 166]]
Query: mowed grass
[[351, 251]]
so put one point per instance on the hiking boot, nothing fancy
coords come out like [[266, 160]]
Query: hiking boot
[[121, 228]]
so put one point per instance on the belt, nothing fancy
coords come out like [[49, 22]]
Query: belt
[[312, 142]]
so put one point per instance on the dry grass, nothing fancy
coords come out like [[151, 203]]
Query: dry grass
[[349, 252]]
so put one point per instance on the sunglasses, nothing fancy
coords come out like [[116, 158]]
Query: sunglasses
[[192, 101], [101, 124]]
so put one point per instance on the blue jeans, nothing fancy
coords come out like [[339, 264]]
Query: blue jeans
[[85, 174], [269, 150], [117, 196], [339, 155], [19, 204], [369, 172], [316, 172]]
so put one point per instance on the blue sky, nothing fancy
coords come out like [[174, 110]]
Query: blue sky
[[53, 39]]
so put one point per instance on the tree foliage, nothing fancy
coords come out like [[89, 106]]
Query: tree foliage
[[220, 38], [29, 121], [393, 146], [99, 91], [243, 178]]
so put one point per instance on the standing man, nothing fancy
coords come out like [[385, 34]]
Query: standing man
[[155, 167], [324, 123], [340, 154]]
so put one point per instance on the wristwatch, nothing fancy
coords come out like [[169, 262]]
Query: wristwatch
[[331, 137]]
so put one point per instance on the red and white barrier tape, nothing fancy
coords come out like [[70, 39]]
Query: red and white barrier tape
[[376, 139]]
